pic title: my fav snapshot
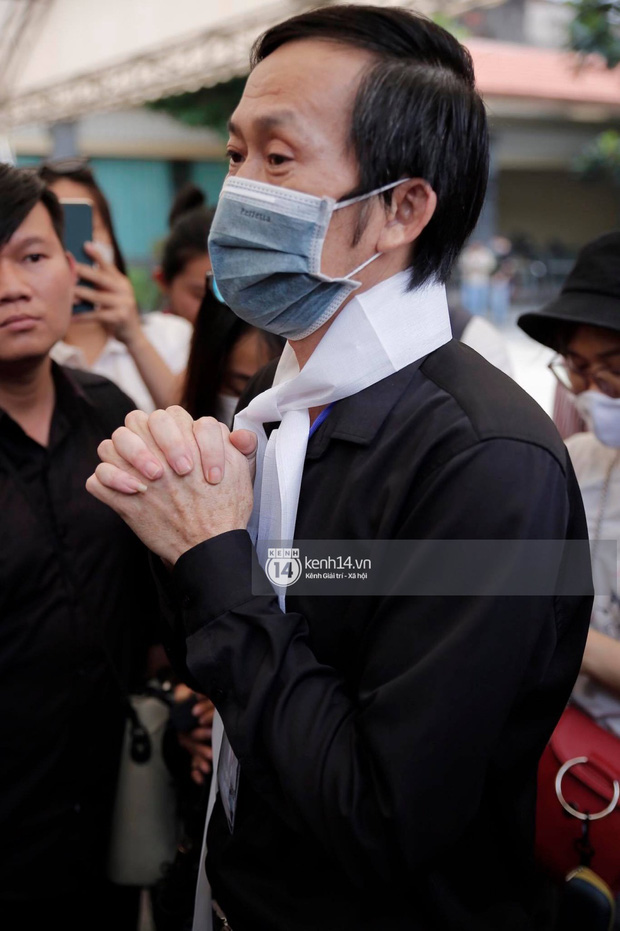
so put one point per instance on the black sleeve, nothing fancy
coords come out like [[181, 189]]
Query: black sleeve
[[394, 772]]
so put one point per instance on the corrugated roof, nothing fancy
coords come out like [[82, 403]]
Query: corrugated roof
[[509, 70]]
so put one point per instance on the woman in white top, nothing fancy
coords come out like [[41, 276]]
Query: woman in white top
[[583, 325], [143, 354]]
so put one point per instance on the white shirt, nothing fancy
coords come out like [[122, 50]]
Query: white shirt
[[171, 337], [591, 460]]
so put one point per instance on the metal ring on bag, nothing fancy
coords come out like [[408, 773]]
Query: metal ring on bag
[[573, 811]]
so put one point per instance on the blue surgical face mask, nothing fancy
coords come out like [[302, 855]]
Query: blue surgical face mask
[[215, 291], [265, 247]]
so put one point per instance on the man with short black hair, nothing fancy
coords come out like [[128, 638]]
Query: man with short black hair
[[378, 766], [74, 593]]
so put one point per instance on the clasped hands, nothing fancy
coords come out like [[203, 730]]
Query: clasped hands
[[176, 482]]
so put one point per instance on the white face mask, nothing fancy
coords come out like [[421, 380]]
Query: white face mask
[[225, 407], [602, 415]]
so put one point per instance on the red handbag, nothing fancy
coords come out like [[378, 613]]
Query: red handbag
[[569, 789]]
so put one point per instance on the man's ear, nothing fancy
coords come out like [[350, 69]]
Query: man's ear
[[413, 204]]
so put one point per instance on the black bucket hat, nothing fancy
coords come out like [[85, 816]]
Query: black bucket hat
[[590, 294]]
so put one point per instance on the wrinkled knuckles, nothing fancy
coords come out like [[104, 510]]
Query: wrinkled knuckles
[[92, 485], [136, 421], [206, 423], [106, 449], [179, 413]]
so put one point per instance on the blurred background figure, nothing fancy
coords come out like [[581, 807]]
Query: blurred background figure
[[500, 285], [142, 354], [476, 264], [182, 272]]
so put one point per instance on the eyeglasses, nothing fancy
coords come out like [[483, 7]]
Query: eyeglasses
[[576, 378]]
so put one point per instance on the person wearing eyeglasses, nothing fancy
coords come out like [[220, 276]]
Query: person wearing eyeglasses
[[583, 325], [144, 354]]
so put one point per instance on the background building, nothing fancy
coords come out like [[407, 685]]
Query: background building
[[77, 79]]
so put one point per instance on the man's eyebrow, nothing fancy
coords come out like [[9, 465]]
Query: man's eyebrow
[[267, 122]]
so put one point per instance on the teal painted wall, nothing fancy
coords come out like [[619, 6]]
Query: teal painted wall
[[209, 176], [139, 193]]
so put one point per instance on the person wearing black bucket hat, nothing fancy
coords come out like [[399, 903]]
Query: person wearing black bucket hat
[[587, 308], [583, 325], [590, 295]]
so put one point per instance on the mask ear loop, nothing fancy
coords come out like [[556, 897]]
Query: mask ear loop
[[379, 190], [356, 200], [363, 265]]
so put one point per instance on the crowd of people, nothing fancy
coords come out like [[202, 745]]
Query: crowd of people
[[341, 760]]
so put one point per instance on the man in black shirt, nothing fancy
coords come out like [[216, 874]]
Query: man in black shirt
[[74, 592], [378, 769]]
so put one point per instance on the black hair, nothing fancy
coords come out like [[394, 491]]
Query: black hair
[[79, 171], [190, 222], [189, 197], [216, 332], [20, 191], [417, 113]]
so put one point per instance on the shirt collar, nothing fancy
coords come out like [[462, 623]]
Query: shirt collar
[[358, 418], [66, 354], [69, 393]]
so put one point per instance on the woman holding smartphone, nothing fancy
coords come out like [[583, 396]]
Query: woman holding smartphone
[[142, 353]]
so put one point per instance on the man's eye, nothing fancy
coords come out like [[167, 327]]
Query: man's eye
[[276, 159], [34, 257]]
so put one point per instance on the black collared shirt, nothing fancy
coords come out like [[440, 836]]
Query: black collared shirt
[[389, 745], [74, 601]]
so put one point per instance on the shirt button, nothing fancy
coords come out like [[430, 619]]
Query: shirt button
[[187, 601]]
